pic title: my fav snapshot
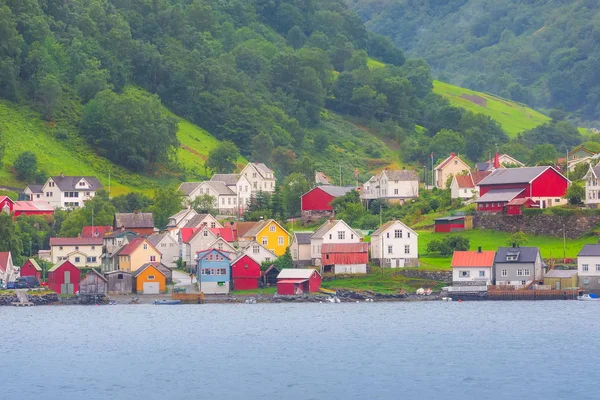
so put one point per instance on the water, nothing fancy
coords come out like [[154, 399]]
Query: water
[[301, 351]]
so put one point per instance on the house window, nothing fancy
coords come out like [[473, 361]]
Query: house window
[[205, 233], [93, 247], [213, 224], [265, 240], [152, 258], [76, 247], [223, 200], [398, 234], [352, 236], [598, 267], [60, 247], [341, 235], [255, 249], [119, 276], [272, 228], [407, 234], [526, 272], [523, 282], [519, 272], [254, 174], [267, 259], [585, 267], [395, 191], [77, 259], [280, 241], [586, 281], [406, 249], [150, 277], [330, 236], [482, 274], [387, 235], [91, 259], [229, 200], [504, 272], [145, 246], [390, 249], [163, 245], [464, 274]]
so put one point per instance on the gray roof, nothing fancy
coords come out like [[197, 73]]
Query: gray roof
[[561, 273], [597, 169], [134, 220], [70, 182], [524, 254], [188, 187], [262, 168], [228, 179], [302, 237], [118, 234], [323, 229], [257, 228], [336, 191], [503, 176], [35, 188], [220, 188], [499, 195], [401, 175], [156, 238], [483, 166], [196, 221], [590, 250]]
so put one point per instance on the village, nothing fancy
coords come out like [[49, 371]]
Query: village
[[317, 253]]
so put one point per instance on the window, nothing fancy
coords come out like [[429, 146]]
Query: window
[[60, 247], [280, 241], [163, 245], [398, 234], [526, 272], [255, 249], [330, 236], [51, 184], [597, 267], [254, 174], [519, 272], [272, 228], [265, 240], [150, 277], [523, 282], [82, 183], [152, 258], [205, 233], [229, 200], [407, 234], [504, 272], [586, 281], [77, 259], [407, 249], [585, 267], [390, 249], [395, 191], [220, 246], [223, 200], [482, 274], [119, 276], [341, 235], [76, 247], [464, 274], [352, 236], [267, 259], [387, 235], [213, 224], [145, 246], [91, 259]]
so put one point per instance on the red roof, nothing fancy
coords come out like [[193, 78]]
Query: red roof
[[345, 253], [478, 176], [134, 244], [473, 259], [2, 198], [188, 233], [521, 201], [95, 231], [228, 234], [25, 206], [4, 255], [464, 181], [77, 241]]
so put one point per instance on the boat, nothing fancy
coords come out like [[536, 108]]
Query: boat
[[327, 291], [446, 298], [166, 302], [588, 297]]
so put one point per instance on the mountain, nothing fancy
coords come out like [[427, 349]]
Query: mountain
[[543, 53]]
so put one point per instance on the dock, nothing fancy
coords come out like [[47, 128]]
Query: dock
[[23, 300], [189, 298]]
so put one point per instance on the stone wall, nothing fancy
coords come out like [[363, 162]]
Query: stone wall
[[442, 276], [548, 225]]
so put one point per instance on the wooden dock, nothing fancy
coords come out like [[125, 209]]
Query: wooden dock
[[20, 304], [23, 300], [189, 298], [532, 295]]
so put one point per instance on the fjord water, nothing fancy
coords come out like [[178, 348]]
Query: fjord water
[[302, 351]]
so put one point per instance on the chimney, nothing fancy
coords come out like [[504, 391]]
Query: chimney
[[479, 249], [496, 161], [453, 154]]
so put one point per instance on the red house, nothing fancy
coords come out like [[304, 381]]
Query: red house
[[90, 232], [64, 278], [292, 281], [450, 224], [32, 208], [245, 272], [543, 185], [345, 258], [6, 204], [31, 268], [316, 203]]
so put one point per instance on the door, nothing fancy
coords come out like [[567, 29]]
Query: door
[[557, 284], [67, 286], [151, 288]]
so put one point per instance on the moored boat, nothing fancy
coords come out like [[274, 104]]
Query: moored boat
[[166, 302], [588, 297]]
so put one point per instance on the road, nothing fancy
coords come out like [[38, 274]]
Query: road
[[182, 280]]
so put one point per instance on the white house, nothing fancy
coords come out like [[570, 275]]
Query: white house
[[592, 188], [301, 249], [473, 268], [466, 187], [239, 184], [34, 192], [223, 245], [7, 268], [225, 199], [258, 252], [261, 177], [331, 232], [588, 268], [168, 246], [81, 252], [203, 219], [70, 191], [399, 243], [392, 185], [192, 240], [179, 220]]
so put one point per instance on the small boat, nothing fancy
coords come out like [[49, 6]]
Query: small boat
[[250, 301], [166, 302], [588, 297], [428, 291], [446, 298], [327, 291]]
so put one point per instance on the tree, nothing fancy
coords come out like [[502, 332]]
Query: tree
[[98, 210], [284, 160], [92, 80], [518, 239], [131, 202], [26, 165], [2, 146], [579, 171], [284, 260], [575, 194], [294, 186], [262, 148], [543, 154], [448, 245], [167, 201], [321, 141], [295, 37], [204, 204], [446, 142], [49, 95], [222, 159], [11, 240]]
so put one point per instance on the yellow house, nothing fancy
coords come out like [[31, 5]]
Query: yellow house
[[451, 166], [137, 253], [270, 234]]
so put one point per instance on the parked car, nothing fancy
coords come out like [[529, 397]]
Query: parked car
[[11, 285], [28, 282]]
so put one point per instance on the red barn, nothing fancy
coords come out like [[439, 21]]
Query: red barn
[[64, 278], [31, 268], [316, 203], [292, 281], [450, 224], [345, 258], [6, 204], [545, 186], [32, 208], [245, 272]]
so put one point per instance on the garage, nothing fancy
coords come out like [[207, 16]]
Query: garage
[[149, 279], [151, 288]]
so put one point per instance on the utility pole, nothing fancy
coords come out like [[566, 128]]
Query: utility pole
[[109, 183], [564, 243]]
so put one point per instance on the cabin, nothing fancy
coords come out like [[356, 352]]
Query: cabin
[[453, 224], [472, 268], [561, 278], [32, 268], [269, 276], [213, 271], [149, 279], [293, 281], [316, 203], [93, 283], [119, 282], [140, 223], [300, 249], [64, 278], [345, 258], [245, 272]]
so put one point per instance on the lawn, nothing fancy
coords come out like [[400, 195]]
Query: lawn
[[265, 291]]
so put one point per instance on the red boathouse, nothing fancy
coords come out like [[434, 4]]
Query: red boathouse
[[291, 281], [31, 268], [64, 278], [245, 272]]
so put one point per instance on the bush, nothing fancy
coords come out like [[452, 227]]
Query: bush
[[532, 211], [26, 165]]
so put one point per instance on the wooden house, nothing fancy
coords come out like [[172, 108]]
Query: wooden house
[[316, 203], [64, 278], [119, 282], [93, 283], [245, 272], [453, 224], [140, 223], [291, 281], [32, 268], [345, 258], [213, 271], [561, 279], [149, 279], [269, 276]]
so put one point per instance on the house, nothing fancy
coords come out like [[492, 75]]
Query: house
[[64, 278], [213, 271], [245, 272], [577, 156], [203, 219], [31, 268], [179, 220], [240, 185], [192, 240], [6, 205], [7, 268], [345, 258], [168, 247], [516, 206], [69, 192], [292, 281], [148, 279], [93, 283], [316, 203], [81, 252], [119, 282], [466, 187], [113, 243], [140, 223], [300, 249], [451, 166], [588, 268], [221, 244], [518, 266], [561, 278], [166, 271], [544, 185], [321, 178], [227, 233], [138, 252], [473, 268], [95, 231], [225, 199], [592, 188], [396, 243], [258, 252], [261, 177], [394, 186], [269, 276], [38, 207], [270, 234], [453, 223], [332, 231], [34, 192], [506, 160]]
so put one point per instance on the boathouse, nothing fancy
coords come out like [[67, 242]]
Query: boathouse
[[291, 281], [93, 283], [245, 272], [119, 282], [64, 278]]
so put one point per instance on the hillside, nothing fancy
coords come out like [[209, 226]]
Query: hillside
[[542, 53]]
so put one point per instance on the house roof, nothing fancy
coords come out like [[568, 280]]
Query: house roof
[[34, 264], [134, 220], [296, 273], [473, 259], [188, 187], [388, 225], [146, 266], [228, 179], [118, 234], [242, 256], [224, 253], [589, 250], [447, 161], [321, 178], [98, 274], [464, 181], [156, 238], [503, 176], [581, 148], [134, 244], [327, 226], [76, 241], [271, 268], [188, 233], [244, 227], [596, 170], [302, 237], [400, 175], [335, 191], [520, 201], [483, 166], [263, 169], [228, 234], [561, 273], [35, 188], [4, 256], [24, 206], [176, 218], [196, 221], [450, 218], [89, 231], [259, 226], [117, 272], [221, 188], [499, 195], [478, 176], [60, 264], [70, 182], [524, 254], [345, 248]]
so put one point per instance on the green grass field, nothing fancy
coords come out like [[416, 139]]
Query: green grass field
[[390, 282]]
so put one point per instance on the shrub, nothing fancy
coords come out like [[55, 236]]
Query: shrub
[[532, 211]]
